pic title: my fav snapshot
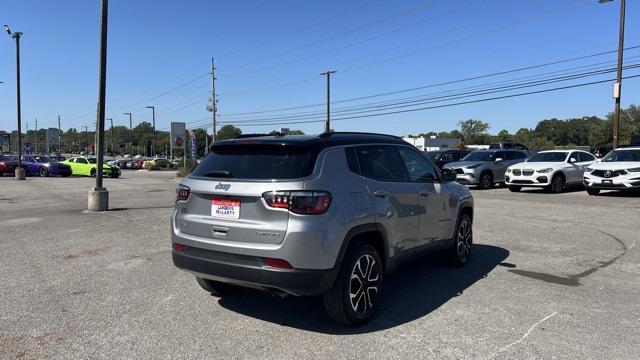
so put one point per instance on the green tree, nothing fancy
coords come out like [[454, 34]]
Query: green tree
[[228, 132], [504, 135], [472, 130]]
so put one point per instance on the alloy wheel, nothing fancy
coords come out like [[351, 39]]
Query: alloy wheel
[[486, 181], [557, 185], [364, 285], [464, 240]]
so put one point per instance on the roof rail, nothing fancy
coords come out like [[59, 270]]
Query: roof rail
[[330, 133]]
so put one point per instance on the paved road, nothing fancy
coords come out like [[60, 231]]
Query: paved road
[[553, 276]]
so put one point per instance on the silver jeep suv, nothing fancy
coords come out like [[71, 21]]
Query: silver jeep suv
[[307, 215]]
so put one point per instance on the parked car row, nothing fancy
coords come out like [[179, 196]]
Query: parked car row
[[41, 165], [139, 163], [553, 170]]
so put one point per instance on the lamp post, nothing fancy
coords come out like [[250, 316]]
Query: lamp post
[[19, 173], [130, 136], [98, 197], [113, 143], [617, 86], [327, 122], [153, 140]]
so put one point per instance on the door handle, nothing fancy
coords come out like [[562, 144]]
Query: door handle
[[424, 193], [381, 194]]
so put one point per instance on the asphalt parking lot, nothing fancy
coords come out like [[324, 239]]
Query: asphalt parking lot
[[552, 276]]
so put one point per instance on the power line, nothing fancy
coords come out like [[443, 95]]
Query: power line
[[401, 103], [449, 105], [433, 85]]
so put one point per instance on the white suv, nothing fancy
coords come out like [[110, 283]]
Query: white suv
[[619, 170], [553, 170]]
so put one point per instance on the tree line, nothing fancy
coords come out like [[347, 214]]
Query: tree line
[[124, 141], [589, 131]]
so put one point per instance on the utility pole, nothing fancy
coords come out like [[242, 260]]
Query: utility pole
[[98, 197], [153, 140], [214, 101], [206, 141], [617, 87], [59, 138], [36, 137], [113, 143], [130, 134], [327, 123], [19, 173], [85, 136]]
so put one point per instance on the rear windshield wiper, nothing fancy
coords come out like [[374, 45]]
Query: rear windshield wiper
[[219, 173]]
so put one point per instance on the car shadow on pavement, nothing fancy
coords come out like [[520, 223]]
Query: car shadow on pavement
[[620, 193], [410, 292]]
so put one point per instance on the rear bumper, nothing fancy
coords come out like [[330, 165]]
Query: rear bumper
[[250, 271]]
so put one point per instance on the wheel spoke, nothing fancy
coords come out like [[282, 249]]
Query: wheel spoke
[[363, 287]]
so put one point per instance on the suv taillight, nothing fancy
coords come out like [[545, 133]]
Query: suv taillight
[[299, 202], [182, 193]]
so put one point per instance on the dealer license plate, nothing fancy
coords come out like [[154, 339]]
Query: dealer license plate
[[225, 208]]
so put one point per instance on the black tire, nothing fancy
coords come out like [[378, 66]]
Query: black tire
[[486, 181], [460, 250], [215, 288], [515, 188], [92, 172], [44, 172], [593, 192], [348, 305], [557, 184]]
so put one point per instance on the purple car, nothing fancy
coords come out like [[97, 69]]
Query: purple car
[[39, 165]]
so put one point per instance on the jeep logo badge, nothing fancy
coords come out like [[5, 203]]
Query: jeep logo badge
[[222, 186]]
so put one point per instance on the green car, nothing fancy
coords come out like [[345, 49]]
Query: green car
[[85, 166]]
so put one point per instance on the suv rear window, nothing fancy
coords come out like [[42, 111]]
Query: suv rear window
[[257, 162]]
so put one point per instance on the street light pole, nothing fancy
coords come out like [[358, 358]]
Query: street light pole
[[19, 173], [113, 143], [214, 102], [327, 123], [85, 136], [153, 140], [617, 86], [59, 139], [98, 198], [130, 134]]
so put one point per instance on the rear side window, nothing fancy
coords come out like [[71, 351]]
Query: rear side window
[[380, 163], [264, 162], [447, 157], [514, 155], [352, 160], [586, 157], [418, 168]]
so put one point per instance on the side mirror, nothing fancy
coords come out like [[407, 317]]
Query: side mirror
[[449, 175], [497, 160], [572, 160]]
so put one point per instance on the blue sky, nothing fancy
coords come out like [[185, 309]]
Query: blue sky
[[269, 55]]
